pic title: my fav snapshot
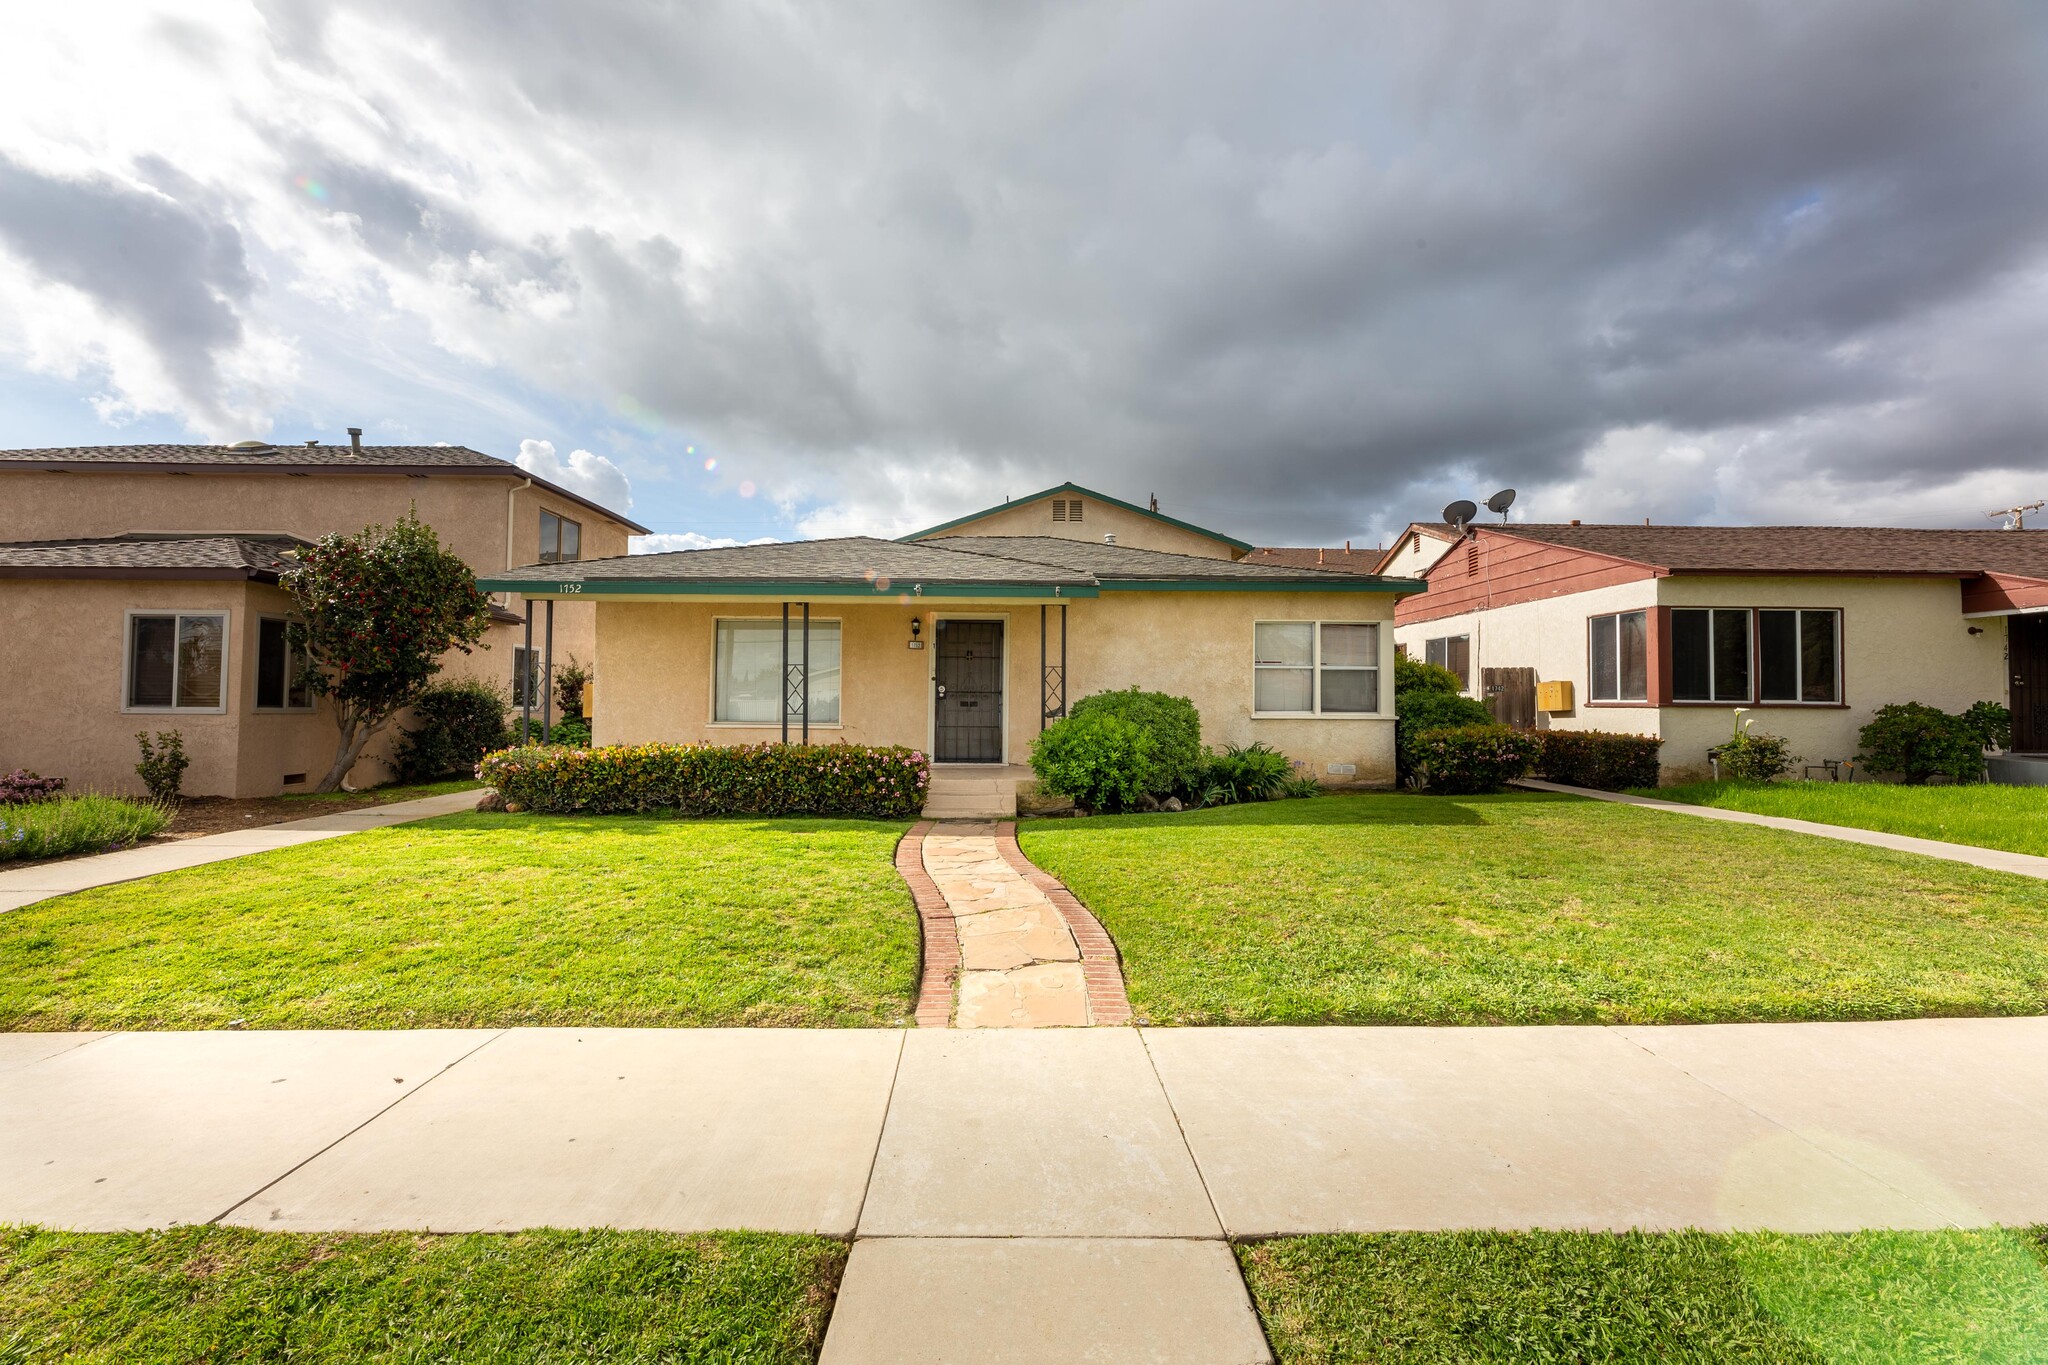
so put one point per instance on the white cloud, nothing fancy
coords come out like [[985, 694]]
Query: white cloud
[[593, 476], [664, 542]]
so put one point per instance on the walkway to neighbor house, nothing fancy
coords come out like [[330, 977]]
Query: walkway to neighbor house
[[1016, 946], [1994, 859], [26, 885], [1059, 1194]]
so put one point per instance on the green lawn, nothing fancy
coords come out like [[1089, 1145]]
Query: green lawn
[[488, 920], [1533, 908], [2011, 818], [1885, 1298], [225, 1294]]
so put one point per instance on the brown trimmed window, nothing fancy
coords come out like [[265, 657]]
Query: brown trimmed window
[[278, 667], [1618, 647], [561, 540], [1453, 652], [1710, 654]]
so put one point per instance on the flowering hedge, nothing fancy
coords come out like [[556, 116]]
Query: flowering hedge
[[1464, 759], [710, 779]]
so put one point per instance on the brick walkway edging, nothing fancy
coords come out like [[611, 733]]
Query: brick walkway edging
[[1101, 965], [940, 938]]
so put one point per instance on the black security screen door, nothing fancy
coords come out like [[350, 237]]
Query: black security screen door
[[970, 692], [2029, 647]]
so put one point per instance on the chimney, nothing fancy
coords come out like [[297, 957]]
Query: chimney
[[355, 440], [1575, 521], [1319, 555]]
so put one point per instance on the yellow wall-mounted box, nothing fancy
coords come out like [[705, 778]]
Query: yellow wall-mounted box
[[1554, 696]]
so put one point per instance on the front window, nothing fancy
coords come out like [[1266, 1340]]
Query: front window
[[175, 661], [1453, 652], [278, 666], [1710, 654], [1316, 668], [526, 671], [1800, 656], [1619, 646], [561, 540], [747, 683]]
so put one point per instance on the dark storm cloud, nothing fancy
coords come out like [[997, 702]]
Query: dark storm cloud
[[1304, 269], [169, 266]]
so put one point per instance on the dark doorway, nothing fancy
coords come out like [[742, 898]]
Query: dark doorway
[[2028, 645], [970, 692]]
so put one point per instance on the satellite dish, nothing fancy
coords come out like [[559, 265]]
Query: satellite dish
[[1500, 502], [1461, 512]]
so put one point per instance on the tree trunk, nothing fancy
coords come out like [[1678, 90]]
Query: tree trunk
[[356, 734]]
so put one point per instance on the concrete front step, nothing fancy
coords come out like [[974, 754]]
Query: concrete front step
[[970, 808]]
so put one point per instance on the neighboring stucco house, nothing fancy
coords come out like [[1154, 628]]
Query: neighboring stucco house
[[138, 591], [1663, 630], [967, 639]]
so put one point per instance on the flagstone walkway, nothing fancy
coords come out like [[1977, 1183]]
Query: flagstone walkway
[[1016, 946]]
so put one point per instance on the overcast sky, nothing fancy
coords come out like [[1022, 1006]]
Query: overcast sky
[[1304, 271]]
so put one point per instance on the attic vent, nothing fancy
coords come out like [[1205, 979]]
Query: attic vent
[[1471, 556], [1066, 509], [1415, 543], [253, 448]]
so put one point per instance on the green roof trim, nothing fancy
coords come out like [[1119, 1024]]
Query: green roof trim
[[1345, 583], [1231, 541], [680, 587]]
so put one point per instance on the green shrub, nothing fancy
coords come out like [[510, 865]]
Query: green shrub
[[1464, 760], [1417, 712], [458, 723], [1300, 786], [1176, 730], [1599, 759], [22, 786], [85, 823], [1750, 756], [1991, 723], [1918, 742], [1245, 772], [709, 779], [574, 732], [163, 764], [569, 680], [1412, 675], [1101, 759]]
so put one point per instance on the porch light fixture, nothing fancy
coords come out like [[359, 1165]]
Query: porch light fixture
[[916, 629]]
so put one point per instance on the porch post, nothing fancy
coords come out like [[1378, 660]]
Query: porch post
[[547, 680], [782, 679], [1063, 660], [1043, 611], [807, 673], [523, 675]]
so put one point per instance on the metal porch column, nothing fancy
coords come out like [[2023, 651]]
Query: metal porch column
[[547, 680], [525, 678]]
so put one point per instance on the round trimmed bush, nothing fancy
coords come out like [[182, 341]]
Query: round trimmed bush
[[1175, 765]]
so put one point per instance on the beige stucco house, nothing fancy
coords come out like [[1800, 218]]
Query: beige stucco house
[[138, 592], [1664, 630], [967, 639]]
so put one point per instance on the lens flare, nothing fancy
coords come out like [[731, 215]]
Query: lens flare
[[312, 188], [882, 583], [746, 488], [710, 464]]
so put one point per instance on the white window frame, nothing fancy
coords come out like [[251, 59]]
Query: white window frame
[[795, 654], [1799, 657], [178, 615], [256, 682], [1755, 654], [1593, 674], [1382, 634]]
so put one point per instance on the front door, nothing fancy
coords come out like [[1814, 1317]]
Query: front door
[[2028, 645], [970, 692]]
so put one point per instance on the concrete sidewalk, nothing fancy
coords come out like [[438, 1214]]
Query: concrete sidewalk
[[1991, 859], [988, 1175], [26, 885]]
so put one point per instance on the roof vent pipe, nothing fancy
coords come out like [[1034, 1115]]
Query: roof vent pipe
[[1109, 539], [355, 440]]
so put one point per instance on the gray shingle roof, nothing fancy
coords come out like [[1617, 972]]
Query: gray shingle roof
[[257, 557], [447, 457], [1851, 550], [301, 458], [885, 565]]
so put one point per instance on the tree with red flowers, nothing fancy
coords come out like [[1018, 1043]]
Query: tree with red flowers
[[377, 610]]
